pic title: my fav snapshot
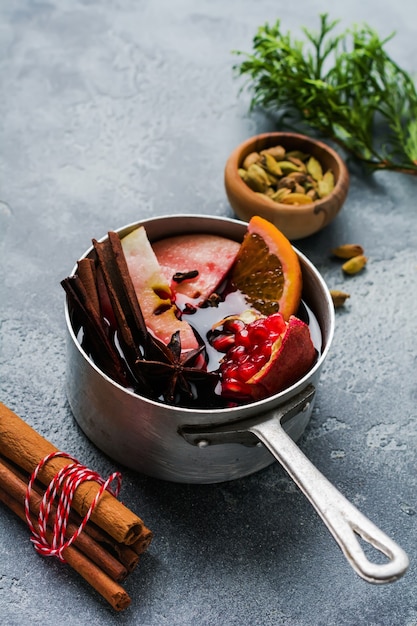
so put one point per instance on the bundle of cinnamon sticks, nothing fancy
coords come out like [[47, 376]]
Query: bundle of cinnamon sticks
[[108, 549]]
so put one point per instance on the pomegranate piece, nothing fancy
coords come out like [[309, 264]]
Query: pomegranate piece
[[264, 356]]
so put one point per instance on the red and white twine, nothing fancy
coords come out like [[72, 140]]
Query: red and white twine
[[60, 492]]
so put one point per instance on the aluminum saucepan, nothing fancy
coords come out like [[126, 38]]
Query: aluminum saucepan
[[208, 446]]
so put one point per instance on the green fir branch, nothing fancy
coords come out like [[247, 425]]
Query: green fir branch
[[344, 86]]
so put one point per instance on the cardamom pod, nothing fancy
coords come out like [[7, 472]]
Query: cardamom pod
[[257, 178], [355, 264], [298, 154], [279, 195], [326, 184], [338, 297], [253, 157], [243, 175], [296, 198], [278, 152], [314, 168], [299, 177], [288, 166], [287, 182], [270, 164], [298, 162], [312, 193], [348, 251]]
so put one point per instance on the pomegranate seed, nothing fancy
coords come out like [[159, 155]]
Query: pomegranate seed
[[229, 370], [258, 334], [236, 352], [259, 359], [266, 347], [276, 322], [222, 343], [242, 338], [247, 370], [233, 326], [235, 388]]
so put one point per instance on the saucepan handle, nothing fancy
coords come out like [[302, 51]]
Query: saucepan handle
[[345, 521]]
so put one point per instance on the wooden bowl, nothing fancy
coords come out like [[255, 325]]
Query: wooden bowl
[[295, 222]]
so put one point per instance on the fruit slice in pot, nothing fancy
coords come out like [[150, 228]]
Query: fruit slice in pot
[[267, 355], [200, 260], [153, 291], [267, 270]]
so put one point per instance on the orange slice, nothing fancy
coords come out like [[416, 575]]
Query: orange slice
[[267, 270]]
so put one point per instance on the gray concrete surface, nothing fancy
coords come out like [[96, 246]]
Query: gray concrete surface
[[115, 111]]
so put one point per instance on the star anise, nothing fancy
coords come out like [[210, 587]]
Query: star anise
[[174, 373]]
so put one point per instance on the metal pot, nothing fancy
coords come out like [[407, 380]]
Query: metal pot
[[209, 446]]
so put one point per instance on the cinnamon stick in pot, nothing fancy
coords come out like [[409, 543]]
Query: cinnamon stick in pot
[[106, 355], [87, 272]]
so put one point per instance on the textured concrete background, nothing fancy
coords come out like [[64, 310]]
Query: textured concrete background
[[119, 110]]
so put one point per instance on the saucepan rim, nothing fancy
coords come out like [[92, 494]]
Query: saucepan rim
[[262, 405]]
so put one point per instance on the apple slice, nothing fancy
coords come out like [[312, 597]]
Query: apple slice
[[207, 257], [153, 291]]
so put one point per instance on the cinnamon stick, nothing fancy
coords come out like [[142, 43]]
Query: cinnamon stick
[[142, 544], [130, 322], [105, 353], [86, 270], [24, 446], [112, 262], [127, 556], [11, 482], [109, 589]]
